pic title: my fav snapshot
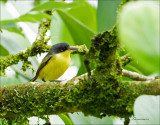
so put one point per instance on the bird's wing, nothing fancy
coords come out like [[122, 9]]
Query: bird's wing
[[43, 63]]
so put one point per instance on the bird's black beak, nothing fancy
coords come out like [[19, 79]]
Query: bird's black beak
[[72, 48]]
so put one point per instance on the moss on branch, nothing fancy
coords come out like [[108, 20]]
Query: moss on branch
[[39, 46], [126, 59], [36, 99]]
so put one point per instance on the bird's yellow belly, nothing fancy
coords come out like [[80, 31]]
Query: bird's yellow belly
[[55, 68]]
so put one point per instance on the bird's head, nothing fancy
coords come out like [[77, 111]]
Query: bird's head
[[61, 47]]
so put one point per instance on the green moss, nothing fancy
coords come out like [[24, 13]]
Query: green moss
[[82, 50], [13, 59], [19, 102], [38, 47], [102, 88]]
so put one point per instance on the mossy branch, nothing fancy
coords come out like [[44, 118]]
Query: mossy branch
[[35, 99], [39, 46]]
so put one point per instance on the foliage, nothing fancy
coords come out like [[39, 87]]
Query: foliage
[[4, 51], [12, 27], [56, 5], [76, 23], [139, 31]]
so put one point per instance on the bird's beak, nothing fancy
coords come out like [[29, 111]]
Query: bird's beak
[[72, 48]]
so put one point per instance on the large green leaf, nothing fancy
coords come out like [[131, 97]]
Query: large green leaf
[[139, 31], [80, 33], [85, 14], [3, 51], [146, 110], [106, 14], [66, 119], [56, 5], [33, 18], [12, 44], [59, 31], [9, 80], [79, 118], [12, 27], [37, 2], [4, 1]]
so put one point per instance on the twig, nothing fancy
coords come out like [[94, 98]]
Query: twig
[[136, 76], [82, 50], [126, 59], [39, 46]]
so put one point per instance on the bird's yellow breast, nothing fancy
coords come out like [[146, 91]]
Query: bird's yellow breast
[[56, 66]]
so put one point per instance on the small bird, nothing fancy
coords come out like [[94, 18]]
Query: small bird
[[55, 63]]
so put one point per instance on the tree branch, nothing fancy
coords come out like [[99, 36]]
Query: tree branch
[[126, 59], [136, 76], [35, 99], [39, 46]]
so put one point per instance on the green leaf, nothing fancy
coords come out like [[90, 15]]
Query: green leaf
[[79, 118], [33, 18], [146, 110], [9, 80], [3, 121], [12, 27], [139, 31], [56, 5], [106, 14], [37, 2], [3, 51], [80, 33], [85, 14], [14, 43], [4, 1], [66, 119]]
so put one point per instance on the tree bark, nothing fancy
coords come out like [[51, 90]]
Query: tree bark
[[36, 99]]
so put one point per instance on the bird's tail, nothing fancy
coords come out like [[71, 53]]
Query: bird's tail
[[33, 79]]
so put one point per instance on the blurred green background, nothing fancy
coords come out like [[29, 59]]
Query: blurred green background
[[76, 24]]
